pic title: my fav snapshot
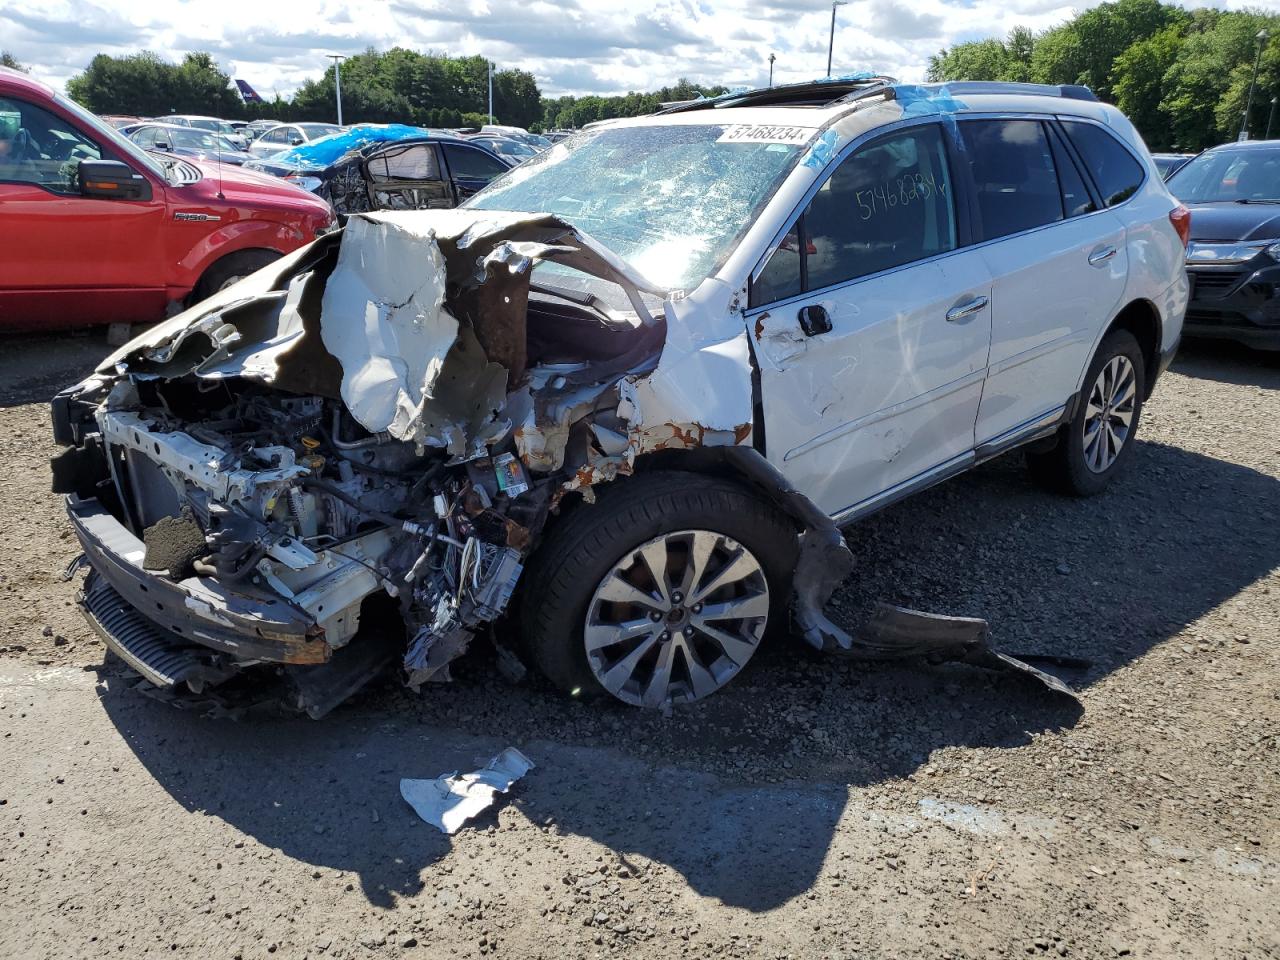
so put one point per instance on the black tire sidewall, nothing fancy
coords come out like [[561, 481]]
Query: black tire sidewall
[[575, 557], [1081, 479]]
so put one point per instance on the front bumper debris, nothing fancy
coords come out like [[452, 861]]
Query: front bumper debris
[[197, 609]]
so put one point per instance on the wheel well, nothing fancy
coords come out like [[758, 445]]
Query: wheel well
[[221, 261], [1143, 320]]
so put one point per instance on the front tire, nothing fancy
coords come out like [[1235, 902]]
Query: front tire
[[231, 269], [1095, 446], [661, 591]]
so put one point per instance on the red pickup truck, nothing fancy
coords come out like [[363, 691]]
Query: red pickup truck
[[95, 230]]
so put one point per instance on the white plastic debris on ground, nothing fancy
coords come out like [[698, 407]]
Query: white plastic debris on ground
[[449, 801]]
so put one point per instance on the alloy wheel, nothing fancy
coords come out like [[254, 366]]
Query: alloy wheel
[[676, 618], [1108, 415]]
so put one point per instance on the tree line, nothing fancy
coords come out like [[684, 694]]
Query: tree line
[[1181, 76], [393, 86]]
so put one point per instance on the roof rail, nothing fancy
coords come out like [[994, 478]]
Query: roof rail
[[811, 93], [1068, 91]]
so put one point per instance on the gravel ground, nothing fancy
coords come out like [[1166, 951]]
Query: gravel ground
[[816, 808]]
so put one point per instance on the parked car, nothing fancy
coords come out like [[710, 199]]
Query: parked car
[[1169, 163], [1233, 260], [212, 124], [286, 135], [185, 142], [119, 121], [516, 151], [255, 128], [387, 167], [535, 140], [639, 380], [96, 230]]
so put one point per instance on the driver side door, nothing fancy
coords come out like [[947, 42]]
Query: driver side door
[[72, 260]]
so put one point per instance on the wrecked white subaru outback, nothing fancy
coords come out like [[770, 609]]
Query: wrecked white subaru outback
[[636, 383]]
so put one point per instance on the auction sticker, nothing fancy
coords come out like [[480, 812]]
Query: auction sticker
[[765, 133]]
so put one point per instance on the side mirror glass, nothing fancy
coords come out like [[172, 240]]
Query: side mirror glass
[[295, 141], [163, 145], [111, 180]]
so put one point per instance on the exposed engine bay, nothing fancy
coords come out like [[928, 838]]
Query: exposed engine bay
[[393, 415]]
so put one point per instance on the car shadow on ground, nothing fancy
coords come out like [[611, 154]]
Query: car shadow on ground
[[743, 793], [1228, 362]]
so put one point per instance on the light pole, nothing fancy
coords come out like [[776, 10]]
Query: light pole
[[1261, 37], [773, 58], [337, 81], [831, 44], [490, 65], [1270, 116]]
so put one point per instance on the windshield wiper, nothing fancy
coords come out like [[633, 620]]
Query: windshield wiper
[[1260, 200]]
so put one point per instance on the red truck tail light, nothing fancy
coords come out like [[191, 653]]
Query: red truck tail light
[[1180, 217]]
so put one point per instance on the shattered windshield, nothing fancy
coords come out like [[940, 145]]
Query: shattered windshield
[[671, 200]]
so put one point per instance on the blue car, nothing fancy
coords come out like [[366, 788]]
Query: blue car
[[387, 167]]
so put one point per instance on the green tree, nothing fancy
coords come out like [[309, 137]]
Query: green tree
[[1138, 83], [7, 59], [145, 85]]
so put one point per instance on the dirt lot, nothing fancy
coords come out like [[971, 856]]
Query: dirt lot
[[815, 809]]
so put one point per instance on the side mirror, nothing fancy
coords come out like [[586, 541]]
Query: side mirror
[[112, 180], [295, 141], [163, 145]]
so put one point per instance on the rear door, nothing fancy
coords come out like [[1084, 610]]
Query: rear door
[[871, 326], [1058, 264], [471, 168], [67, 259], [407, 176]]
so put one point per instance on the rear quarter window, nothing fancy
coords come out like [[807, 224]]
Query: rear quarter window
[[1114, 169]]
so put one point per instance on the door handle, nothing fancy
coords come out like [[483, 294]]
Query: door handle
[[814, 320], [1101, 256], [967, 309]]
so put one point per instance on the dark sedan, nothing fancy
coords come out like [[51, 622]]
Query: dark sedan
[[417, 170], [1233, 259], [185, 142]]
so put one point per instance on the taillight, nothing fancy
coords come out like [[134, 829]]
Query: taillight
[[1180, 217]]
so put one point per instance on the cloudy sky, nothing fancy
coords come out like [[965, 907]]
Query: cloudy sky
[[571, 46]]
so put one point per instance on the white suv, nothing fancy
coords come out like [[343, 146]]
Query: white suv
[[643, 377]]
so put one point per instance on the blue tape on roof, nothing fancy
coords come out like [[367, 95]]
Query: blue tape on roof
[[822, 152], [326, 150], [922, 101]]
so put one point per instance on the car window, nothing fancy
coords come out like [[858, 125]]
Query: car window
[[273, 136], [1013, 175], [1075, 195], [413, 162], [888, 204], [472, 163], [1229, 175], [38, 147], [314, 131], [144, 137], [1114, 169]]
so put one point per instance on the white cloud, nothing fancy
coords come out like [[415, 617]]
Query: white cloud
[[571, 46]]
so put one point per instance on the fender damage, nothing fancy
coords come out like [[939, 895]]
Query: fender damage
[[378, 426]]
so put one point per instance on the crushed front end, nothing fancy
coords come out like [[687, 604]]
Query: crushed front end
[[346, 459]]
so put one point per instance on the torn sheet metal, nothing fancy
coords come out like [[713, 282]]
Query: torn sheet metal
[[895, 633], [449, 801]]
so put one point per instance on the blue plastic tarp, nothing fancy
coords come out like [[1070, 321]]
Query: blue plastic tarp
[[318, 154]]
